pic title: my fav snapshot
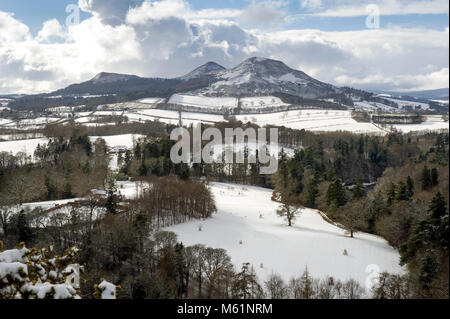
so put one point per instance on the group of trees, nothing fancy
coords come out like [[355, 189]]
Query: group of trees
[[172, 201], [151, 156], [331, 172], [412, 173]]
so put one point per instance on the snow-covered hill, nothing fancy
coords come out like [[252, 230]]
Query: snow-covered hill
[[210, 69], [104, 77], [260, 76], [247, 226]]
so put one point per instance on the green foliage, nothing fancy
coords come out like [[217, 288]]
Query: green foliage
[[358, 190], [336, 193]]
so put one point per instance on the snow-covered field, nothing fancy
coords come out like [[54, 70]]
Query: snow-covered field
[[252, 146], [262, 101], [118, 140], [425, 126], [373, 106], [153, 100], [247, 226], [312, 120], [5, 121], [247, 215], [29, 146], [25, 146], [403, 104], [204, 102]]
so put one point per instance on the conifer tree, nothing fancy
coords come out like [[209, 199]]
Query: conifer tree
[[402, 192], [336, 193], [391, 193], [426, 178], [434, 177], [311, 194], [24, 230], [358, 190], [410, 187]]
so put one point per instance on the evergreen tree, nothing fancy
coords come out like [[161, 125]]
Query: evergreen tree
[[410, 187], [311, 194], [402, 192], [25, 232], [438, 206], [434, 177], [142, 171], [358, 190], [391, 193], [336, 193], [111, 200], [426, 178], [306, 284]]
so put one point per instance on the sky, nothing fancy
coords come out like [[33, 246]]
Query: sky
[[389, 45]]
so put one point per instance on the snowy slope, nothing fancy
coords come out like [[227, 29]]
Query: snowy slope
[[118, 140], [152, 100], [269, 243], [260, 76], [210, 69], [261, 101], [204, 102], [312, 120], [25, 146], [425, 126]]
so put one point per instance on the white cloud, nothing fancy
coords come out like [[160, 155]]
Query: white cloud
[[12, 29], [110, 13], [154, 10], [168, 38], [51, 30], [355, 8], [311, 4], [415, 82], [264, 14]]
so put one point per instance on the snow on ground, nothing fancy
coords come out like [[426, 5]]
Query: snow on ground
[[308, 119], [118, 140], [373, 106], [125, 140], [4, 121], [403, 104], [106, 113], [20, 136], [83, 119], [274, 149], [434, 118], [441, 101], [261, 101], [131, 190], [36, 121], [28, 146], [46, 205], [25, 146], [204, 102], [152, 100], [425, 126], [312, 120], [98, 124], [272, 247]]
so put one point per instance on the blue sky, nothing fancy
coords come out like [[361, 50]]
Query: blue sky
[[35, 13], [328, 39]]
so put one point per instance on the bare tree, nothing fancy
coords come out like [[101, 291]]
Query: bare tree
[[289, 212], [275, 287]]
